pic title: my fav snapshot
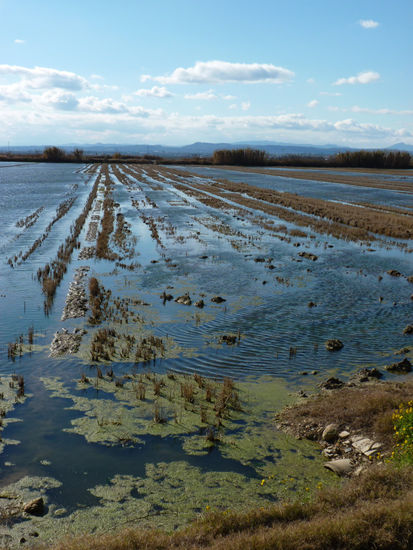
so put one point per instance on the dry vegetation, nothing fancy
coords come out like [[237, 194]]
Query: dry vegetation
[[52, 273], [340, 220], [351, 178], [61, 211], [366, 407]]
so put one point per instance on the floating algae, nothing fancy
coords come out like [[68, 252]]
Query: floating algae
[[146, 404], [169, 496], [203, 415], [11, 394]]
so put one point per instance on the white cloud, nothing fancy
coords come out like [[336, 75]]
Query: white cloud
[[245, 105], [368, 23], [205, 96], [94, 120], [313, 103], [310, 80], [96, 76], [229, 97], [361, 78], [58, 99], [222, 71], [43, 77], [13, 93], [19, 41], [233, 106], [155, 91]]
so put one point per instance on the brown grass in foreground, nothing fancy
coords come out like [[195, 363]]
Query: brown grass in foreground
[[372, 511]]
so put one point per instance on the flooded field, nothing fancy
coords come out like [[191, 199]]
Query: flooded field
[[154, 319]]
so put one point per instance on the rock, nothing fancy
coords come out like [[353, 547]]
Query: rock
[[394, 273], [402, 367], [185, 300], [166, 297], [314, 372], [259, 260], [35, 507], [332, 384], [410, 278], [362, 444], [358, 471], [33, 534], [402, 351], [312, 304], [343, 434], [408, 329], [366, 374], [308, 255], [217, 299], [330, 433], [334, 344], [341, 466], [228, 339], [199, 303], [328, 453], [203, 257]]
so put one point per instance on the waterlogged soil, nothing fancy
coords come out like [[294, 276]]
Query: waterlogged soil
[[249, 463], [191, 280]]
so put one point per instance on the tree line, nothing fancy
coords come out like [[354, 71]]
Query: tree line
[[354, 159], [237, 157]]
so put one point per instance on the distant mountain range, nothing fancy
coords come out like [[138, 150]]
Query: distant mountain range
[[202, 149]]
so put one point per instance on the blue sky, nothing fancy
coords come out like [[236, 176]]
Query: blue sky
[[179, 71]]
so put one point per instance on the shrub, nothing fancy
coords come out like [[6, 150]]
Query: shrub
[[54, 154], [403, 428]]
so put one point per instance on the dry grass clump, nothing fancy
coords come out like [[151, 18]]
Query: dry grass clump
[[52, 273], [384, 223], [372, 511], [350, 178], [98, 301], [102, 243], [368, 407]]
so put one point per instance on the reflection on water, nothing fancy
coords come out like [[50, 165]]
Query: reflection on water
[[356, 301]]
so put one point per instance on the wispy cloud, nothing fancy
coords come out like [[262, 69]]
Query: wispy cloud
[[245, 105], [368, 23], [313, 103], [222, 71], [331, 94], [19, 41], [155, 91], [204, 96], [362, 78], [370, 111]]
